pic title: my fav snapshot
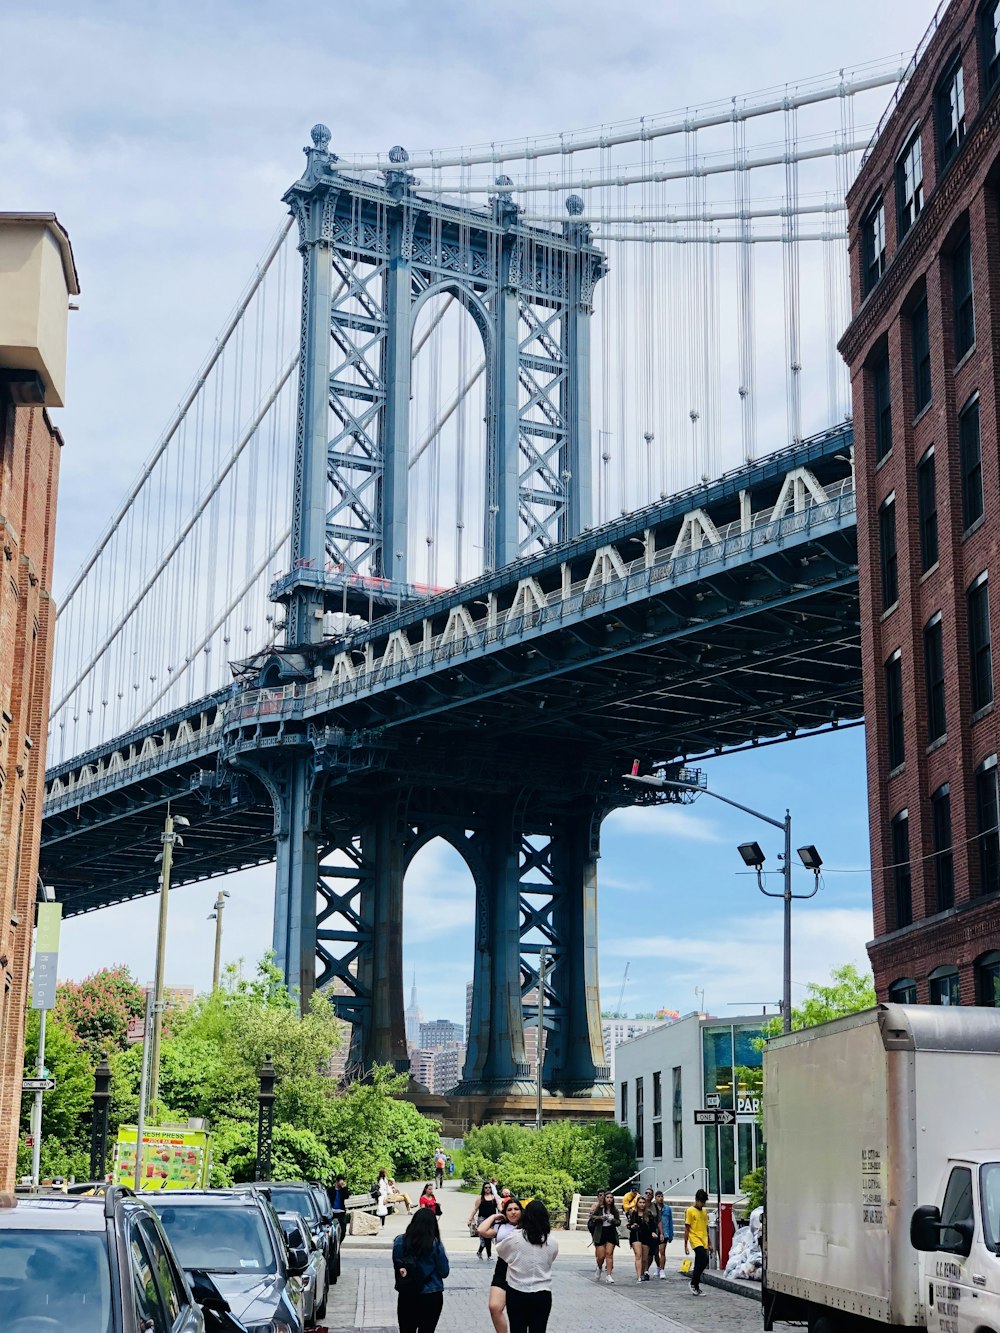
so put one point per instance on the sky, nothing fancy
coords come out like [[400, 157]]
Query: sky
[[163, 137]]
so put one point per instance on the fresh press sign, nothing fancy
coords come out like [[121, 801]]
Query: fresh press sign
[[43, 980]]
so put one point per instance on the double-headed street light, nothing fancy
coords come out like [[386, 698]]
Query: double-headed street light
[[169, 840], [216, 916], [753, 856]]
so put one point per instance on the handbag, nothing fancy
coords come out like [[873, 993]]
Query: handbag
[[412, 1282], [473, 1229], [686, 1265]]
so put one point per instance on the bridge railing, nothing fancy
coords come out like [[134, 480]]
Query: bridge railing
[[358, 672]]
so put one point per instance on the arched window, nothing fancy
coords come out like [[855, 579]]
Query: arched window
[[903, 991], [943, 985], [987, 968]]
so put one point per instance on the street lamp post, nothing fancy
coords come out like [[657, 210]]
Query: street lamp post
[[543, 959], [265, 1119], [99, 1124], [753, 856], [216, 916], [169, 840]]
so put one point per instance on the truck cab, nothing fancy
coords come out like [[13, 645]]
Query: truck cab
[[960, 1242]]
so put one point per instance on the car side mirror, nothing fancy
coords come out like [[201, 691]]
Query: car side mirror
[[298, 1259], [929, 1234]]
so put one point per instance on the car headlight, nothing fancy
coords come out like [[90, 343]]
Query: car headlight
[[272, 1326]]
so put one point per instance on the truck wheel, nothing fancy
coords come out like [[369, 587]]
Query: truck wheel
[[825, 1324]]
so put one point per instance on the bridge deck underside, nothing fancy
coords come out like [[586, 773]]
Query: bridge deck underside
[[752, 653]]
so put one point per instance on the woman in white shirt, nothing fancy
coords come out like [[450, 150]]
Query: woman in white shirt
[[529, 1252]]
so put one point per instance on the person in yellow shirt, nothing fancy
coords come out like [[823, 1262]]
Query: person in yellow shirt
[[696, 1236], [629, 1202]]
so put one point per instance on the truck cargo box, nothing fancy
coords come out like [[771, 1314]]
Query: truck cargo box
[[860, 1117]]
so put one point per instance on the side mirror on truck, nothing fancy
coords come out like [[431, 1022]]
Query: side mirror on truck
[[930, 1234]]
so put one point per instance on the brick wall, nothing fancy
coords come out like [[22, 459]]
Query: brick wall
[[29, 474], [963, 192]]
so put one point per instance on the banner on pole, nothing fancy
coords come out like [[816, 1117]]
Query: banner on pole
[[43, 980]]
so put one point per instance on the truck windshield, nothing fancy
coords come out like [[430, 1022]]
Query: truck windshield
[[989, 1187], [219, 1238], [54, 1279]]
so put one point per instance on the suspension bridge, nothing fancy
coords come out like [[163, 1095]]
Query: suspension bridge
[[485, 488]]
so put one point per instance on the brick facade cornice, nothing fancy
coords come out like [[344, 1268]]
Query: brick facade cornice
[[927, 228], [972, 927]]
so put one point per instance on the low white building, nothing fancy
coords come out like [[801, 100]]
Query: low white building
[[663, 1076]]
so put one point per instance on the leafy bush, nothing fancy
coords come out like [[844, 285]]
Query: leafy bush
[[752, 1186], [590, 1156], [527, 1180]]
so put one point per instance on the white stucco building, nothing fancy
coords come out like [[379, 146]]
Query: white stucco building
[[663, 1076]]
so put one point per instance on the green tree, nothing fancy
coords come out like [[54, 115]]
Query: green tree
[[66, 1110], [849, 992]]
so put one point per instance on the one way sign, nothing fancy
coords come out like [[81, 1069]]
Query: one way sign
[[714, 1117], [37, 1084]]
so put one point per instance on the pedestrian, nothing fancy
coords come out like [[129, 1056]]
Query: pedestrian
[[628, 1204], [500, 1224], [696, 1235], [380, 1193], [421, 1265], [451, 1167], [603, 1226], [641, 1235], [484, 1207], [529, 1252], [666, 1232], [439, 1168], [429, 1200], [396, 1195], [338, 1203]]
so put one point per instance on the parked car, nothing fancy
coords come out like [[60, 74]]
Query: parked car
[[235, 1238], [299, 1240], [298, 1197], [322, 1197], [95, 1264]]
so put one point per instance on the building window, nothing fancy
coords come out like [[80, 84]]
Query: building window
[[934, 678], [873, 245], [988, 825], [987, 973], [971, 462], [943, 985], [950, 102], [883, 407], [657, 1096], [961, 291], [944, 869], [640, 1116], [909, 185], [920, 345], [677, 1113], [927, 510], [990, 32], [657, 1138], [899, 830], [887, 551], [624, 1116], [903, 991], [980, 650], [894, 709]]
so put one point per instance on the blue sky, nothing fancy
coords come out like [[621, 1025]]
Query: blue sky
[[164, 138]]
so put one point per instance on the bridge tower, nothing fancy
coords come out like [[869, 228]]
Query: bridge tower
[[373, 251]]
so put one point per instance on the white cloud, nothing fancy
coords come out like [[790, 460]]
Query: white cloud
[[662, 821]]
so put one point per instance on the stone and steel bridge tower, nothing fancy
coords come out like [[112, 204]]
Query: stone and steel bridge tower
[[373, 251]]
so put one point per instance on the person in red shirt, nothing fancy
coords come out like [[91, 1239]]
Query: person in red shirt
[[428, 1200]]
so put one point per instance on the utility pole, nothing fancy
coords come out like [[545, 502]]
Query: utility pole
[[543, 958], [169, 839], [216, 916]]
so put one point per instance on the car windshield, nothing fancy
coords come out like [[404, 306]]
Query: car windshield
[[989, 1185], [59, 1277], [290, 1200], [220, 1238]]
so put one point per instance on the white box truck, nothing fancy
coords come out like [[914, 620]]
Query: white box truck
[[882, 1181]]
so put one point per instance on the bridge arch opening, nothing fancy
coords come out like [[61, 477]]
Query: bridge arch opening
[[439, 903], [448, 445]]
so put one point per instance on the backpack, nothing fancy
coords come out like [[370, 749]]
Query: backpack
[[439, 1163], [413, 1283]]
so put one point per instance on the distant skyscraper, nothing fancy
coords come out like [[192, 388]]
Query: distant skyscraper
[[413, 1017], [440, 1035]]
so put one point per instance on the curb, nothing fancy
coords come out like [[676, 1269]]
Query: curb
[[739, 1286]]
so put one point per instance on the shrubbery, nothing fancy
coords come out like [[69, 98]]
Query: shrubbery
[[552, 1164]]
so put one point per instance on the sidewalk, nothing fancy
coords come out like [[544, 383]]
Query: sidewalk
[[364, 1298]]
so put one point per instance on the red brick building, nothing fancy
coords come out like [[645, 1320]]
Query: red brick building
[[923, 348], [36, 276]]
